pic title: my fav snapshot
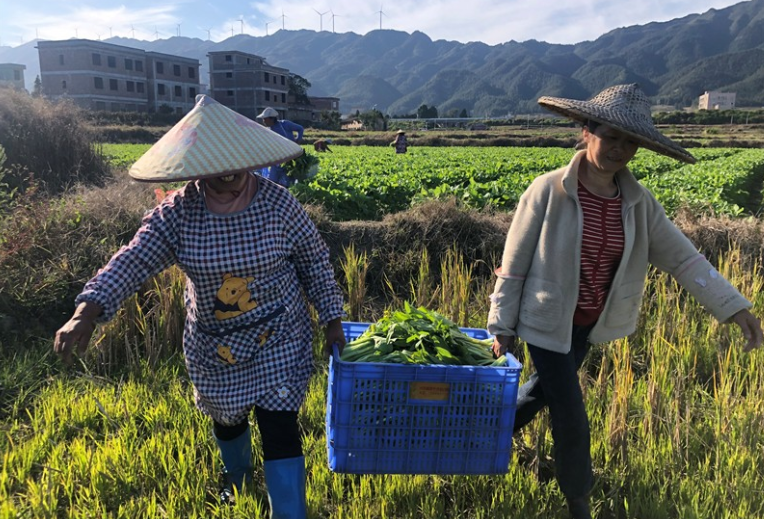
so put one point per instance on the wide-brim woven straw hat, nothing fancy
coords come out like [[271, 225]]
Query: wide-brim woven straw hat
[[625, 108], [210, 141]]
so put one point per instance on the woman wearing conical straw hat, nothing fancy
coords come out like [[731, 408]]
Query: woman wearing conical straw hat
[[574, 268], [249, 251]]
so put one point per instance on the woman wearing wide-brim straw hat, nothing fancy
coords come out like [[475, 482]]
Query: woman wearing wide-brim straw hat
[[574, 268], [249, 251], [400, 143]]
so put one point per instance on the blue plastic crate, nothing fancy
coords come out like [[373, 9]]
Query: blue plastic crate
[[419, 419]]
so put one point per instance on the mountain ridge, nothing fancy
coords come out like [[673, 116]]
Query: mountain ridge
[[674, 62]]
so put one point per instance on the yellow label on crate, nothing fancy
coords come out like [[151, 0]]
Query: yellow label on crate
[[429, 391]]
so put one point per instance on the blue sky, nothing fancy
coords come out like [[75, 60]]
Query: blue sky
[[489, 21]]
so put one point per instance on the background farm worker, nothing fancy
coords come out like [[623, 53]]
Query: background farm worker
[[286, 129], [322, 145], [400, 143], [249, 252], [574, 268]]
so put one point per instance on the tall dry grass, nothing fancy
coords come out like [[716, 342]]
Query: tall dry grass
[[48, 145]]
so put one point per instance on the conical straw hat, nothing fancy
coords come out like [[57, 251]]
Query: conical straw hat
[[210, 141], [625, 108]]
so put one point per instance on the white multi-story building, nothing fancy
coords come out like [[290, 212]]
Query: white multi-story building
[[717, 101], [103, 76]]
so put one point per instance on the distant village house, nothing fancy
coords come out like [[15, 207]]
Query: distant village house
[[248, 84], [12, 75], [716, 101]]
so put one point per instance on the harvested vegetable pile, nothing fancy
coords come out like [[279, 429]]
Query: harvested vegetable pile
[[302, 168], [419, 336]]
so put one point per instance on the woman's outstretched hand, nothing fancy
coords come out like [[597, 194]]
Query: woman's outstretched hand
[[77, 331], [750, 325]]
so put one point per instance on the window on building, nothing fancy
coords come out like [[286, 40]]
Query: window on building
[[191, 72], [160, 89], [229, 75], [160, 67], [96, 59], [128, 64], [113, 84], [228, 57], [229, 93], [130, 86], [139, 88], [179, 110], [283, 98], [247, 61], [139, 66], [191, 92], [178, 91], [100, 105], [115, 107], [111, 61], [283, 80], [17, 77], [176, 70], [266, 77], [63, 85], [60, 59], [267, 96], [98, 83]]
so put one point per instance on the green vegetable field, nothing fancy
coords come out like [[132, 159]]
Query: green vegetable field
[[365, 183]]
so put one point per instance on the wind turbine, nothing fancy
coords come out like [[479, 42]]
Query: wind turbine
[[133, 30], [266, 27], [333, 16], [321, 19], [209, 38], [381, 13], [242, 25], [109, 32], [283, 16], [156, 33], [178, 29]]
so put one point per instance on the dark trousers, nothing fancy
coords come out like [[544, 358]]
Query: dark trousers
[[279, 432], [555, 385]]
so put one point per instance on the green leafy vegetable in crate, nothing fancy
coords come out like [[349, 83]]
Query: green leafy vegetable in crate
[[303, 167], [419, 336]]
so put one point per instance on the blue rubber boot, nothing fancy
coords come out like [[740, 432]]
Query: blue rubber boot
[[286, 487], [237, 460]]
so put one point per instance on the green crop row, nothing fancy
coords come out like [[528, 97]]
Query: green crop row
[[366, 183]]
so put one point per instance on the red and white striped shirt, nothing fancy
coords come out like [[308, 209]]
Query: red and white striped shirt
[[601, 251]]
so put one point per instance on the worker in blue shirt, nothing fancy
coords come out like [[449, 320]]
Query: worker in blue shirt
[[287, 129]]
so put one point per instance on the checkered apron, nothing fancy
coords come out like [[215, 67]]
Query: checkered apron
[[247, 338]]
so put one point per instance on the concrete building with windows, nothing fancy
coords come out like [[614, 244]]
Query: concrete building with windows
[[247, 83], [12, 75], [312, 112], [717, 101], [104, 76]]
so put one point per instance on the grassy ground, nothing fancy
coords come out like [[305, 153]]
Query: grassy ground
[[675, 415]]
